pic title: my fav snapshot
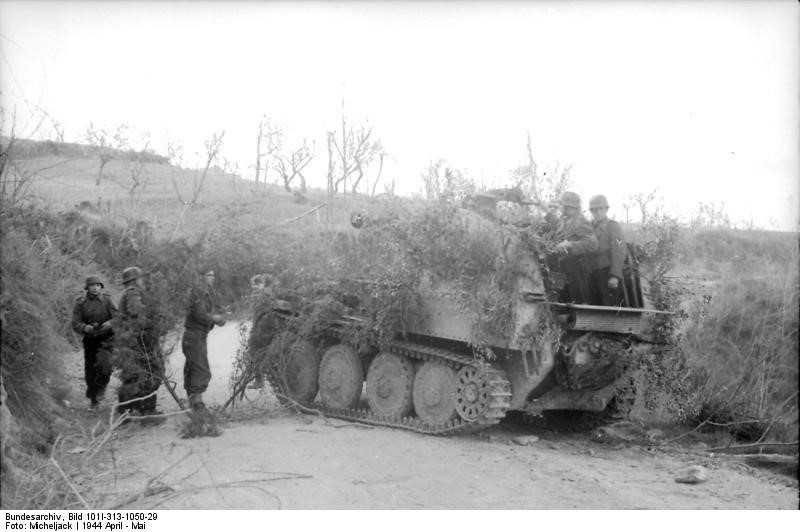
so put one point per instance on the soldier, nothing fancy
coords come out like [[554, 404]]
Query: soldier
[[200, 319], [91, 317], [264, 292], [607, 261], [576, 242], [140, 355]]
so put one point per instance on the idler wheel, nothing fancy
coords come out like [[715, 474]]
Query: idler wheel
[[435, 393], [390, 379], [472, 393], [341, 377], [300, 368]]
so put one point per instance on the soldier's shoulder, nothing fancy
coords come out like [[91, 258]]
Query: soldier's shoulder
[[81, 299]]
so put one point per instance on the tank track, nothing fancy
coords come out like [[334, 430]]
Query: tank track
[[499, 401]]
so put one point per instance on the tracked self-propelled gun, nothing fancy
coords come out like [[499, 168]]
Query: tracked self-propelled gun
[[432, 378]]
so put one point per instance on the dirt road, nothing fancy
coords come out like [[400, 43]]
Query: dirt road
[[270, 458]]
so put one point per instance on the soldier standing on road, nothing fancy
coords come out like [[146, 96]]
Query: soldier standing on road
[[200, 319], [576, 243], [608, 260], [140, 355], [265, 325], [91, 317]]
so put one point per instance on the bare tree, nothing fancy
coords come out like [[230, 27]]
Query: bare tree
[[432, 180], [259, 153], [364, 155], [175, 157], [388, 188], [12, 184], [627, 206], [643, 201], [445, 183], [711, 215], [527, 176], [213, 146], [269, 141], [331, 165], [291, 166], [16, 179], [105, 145], [350, 153], [58, 130], [175, 151], [541, 182], [231, 169], [138, 177], [378, 175]]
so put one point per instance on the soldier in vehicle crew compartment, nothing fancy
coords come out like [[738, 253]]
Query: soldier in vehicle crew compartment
[[606, 278], [91, 317], [576, 243], [138, 347], [200, 319]]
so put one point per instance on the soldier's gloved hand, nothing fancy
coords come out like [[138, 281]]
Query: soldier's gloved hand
[[562, 247], [613, 283], [218, 319], [105, 325], [88, 328]]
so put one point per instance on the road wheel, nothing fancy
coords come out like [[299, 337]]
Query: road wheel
[[472, 393], [435, 393], [390, 379], [300, 369], [341, 377]]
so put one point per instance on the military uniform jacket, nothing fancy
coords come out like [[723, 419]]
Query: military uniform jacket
[[93, 310], [133, 309], [611, 247], [201, 307], [579, 233]]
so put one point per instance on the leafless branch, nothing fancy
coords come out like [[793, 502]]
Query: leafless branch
[[213, 146]]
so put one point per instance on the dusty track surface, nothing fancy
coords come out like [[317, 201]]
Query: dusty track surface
[[268, 457]]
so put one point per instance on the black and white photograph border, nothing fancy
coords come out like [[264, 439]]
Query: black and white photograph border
[[400, 256]]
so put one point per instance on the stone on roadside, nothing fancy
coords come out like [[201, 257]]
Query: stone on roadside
[[525, 440], [692, 475], [655, 435]]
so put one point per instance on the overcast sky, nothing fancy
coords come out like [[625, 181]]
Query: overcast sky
[[699, 100]]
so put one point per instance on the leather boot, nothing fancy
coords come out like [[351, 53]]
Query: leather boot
[[196, 402]]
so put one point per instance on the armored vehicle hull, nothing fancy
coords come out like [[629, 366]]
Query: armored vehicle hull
[[433, 377]]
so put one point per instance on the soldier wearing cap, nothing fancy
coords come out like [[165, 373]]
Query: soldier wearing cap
[[201, 317], [140, 355], [607, 261], [91, 318], [576, 243]]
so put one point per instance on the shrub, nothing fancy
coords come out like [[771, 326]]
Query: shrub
[[743, 347], [32, 342]]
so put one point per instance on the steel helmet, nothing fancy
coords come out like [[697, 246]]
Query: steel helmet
[[131, 274], [598, 202], [570, 199], [93, 279]]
